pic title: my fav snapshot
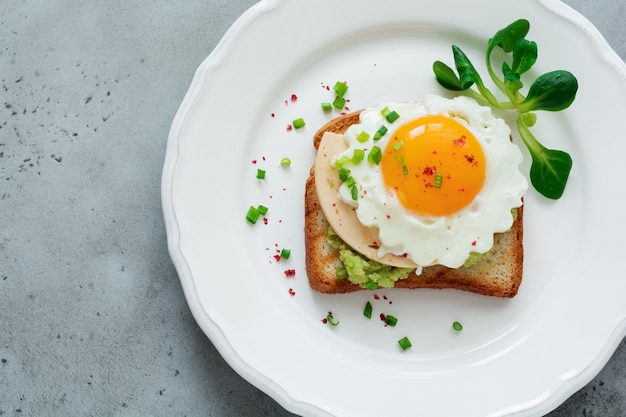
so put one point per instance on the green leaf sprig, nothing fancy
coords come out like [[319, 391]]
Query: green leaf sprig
[[553, 91]]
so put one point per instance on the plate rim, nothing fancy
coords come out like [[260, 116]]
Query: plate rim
[[212, 329]]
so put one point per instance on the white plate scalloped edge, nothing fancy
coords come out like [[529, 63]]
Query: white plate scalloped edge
[[212, 328]]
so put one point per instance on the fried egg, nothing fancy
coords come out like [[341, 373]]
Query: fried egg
[[421, 183]]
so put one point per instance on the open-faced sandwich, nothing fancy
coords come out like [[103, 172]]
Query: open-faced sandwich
[[416, 195]]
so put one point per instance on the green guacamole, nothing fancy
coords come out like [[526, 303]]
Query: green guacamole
[[364, 272]]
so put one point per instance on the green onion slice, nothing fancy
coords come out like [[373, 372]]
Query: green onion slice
[[327, 106], [371, 285], [285, 253], [262, 209], [392, 116], [358, 156], [391, 320], [339, 102], [375, 155], [380, 133], [341, 272], [368, 310], [340, 88], [298, 123], [285, 162], [405, 170], [457, 326], [253, 215], [260, 174], [438, 180], [405, 343], [331, 320], [363, 136], [344, 174], [354, 191]]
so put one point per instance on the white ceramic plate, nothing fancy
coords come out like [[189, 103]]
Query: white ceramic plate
[[514, 357]]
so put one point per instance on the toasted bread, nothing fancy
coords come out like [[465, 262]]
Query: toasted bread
[[499, 274]]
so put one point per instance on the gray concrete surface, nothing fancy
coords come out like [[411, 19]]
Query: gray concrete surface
[[93, 321]]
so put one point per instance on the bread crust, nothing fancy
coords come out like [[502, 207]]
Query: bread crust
[[498, 275]]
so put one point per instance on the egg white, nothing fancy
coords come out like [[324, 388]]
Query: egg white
[[445, 240]]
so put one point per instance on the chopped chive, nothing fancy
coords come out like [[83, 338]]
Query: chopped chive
[[390, 320], [350, 182], [354, 192], [253, 215], [438, 180], [262, 209], [340, 88], [392, 116], [358, 156], [398, 145], [260, 174], [331, 320], [457, 326], [368, 310], [380, 133], [285, 253], [327, 106], [405, 170], [371, 285], [298, 123], [341, 272], [399, 158], [344, 174], [341, 161], [385, 111], [405, 343], [285, 162], [375, 155], [350, 264], [363, 137], [339, 102]]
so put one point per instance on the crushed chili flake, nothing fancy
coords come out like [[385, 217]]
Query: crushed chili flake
[[474, 243], [254, 161], [294, 97], [292, 292], [290, 273], [429, 171], [460, 141], [286, 102], [469, 158], [273, 115], [277, 258], [382, 316], [289, 128], [376, 297], [265, 221], [324, 320]]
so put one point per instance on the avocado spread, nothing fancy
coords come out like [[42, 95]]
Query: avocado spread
[[365, 272]]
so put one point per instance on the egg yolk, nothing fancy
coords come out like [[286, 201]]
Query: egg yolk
[[435, 165]]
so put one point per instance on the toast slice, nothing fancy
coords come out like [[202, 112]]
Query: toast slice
[[498, 275]]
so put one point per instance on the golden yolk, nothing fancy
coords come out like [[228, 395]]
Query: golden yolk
[[435, 165]]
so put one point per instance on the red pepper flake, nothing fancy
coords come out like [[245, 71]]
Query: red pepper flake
[[254, 161], [388, 216], [429, 171], [434, 152], [289, 128], [474, 243], [461, 190], [382, 316], [292, 292], [263, 158], [294, 97], [265, 221], [324, 320], [460, 141], [277, 258], [286, 102], [376, 297], [470, 158], [384, 297], [290, 273], [273, 115]]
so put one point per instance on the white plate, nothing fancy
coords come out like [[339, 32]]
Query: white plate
[[514, 357]]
